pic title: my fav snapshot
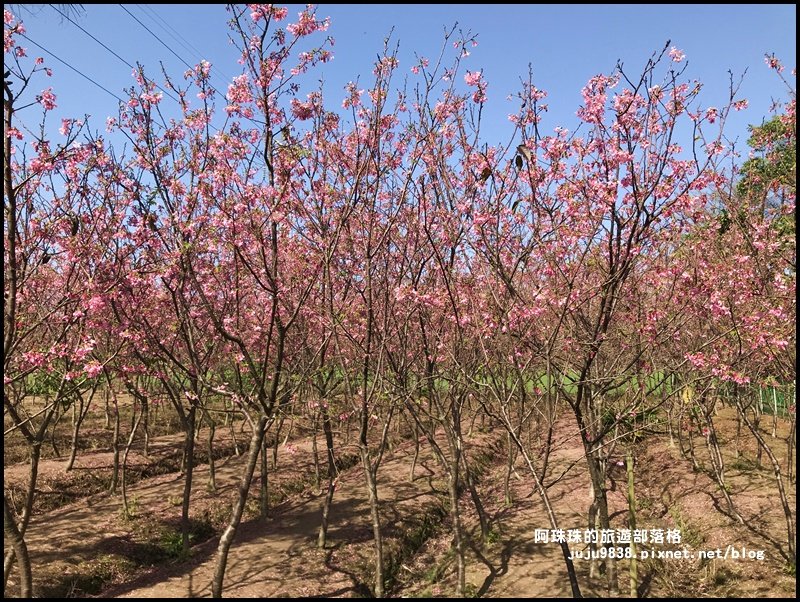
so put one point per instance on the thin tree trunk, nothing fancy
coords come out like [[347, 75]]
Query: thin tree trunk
[[57, 416], [571, 574], [146, 423], [592, 525], [790, 442], [107, 397], [322, 540], [774, 412], [634, 574], [718, 466], [776, 468], [212, 467], [115, 447], [35, 441], [83, 410], [263, 490], [229, 417], [277, 442], [315, 453], [27, 509], [189, 471], [509, 469], [135, 427], [690, 436], [17, 543], [476, 500], [597, 474], [372, 491], [458, 535], [415, 435], [756, 421], [737, 444], [228, 535]]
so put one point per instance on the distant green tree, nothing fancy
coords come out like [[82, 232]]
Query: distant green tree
[[767, 188], [769, 176]]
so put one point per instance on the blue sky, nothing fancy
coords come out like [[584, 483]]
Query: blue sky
[[565, 45]]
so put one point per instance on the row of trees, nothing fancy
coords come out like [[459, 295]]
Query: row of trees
[[384, 261]]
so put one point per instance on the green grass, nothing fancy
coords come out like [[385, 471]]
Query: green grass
[[689, 535], [493, 536]]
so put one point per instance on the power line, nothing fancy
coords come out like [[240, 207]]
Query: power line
[[91, 36], [125, 62], [180, 39], [163, 43], [150, 31], [118, 57], [166, 92], [171, 31], [181, 59], [76, 70]]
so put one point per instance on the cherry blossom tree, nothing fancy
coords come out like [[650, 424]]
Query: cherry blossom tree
[[62, 207], [381, 262]]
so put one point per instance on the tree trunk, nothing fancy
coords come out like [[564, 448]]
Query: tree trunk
[[548, 447], [107, 397], [228, 535], [790, 448], [229, 418], [277, 443], [509, 469], [690, 436], [56, 419], [415, 435], [756, 421], [476, 500], [187, 483], [571, 574], [76, 427], [776, 468], [737, 441], [146, 423], [322, 540], [592, 527], [718, 466], [458, 535], [634, 593], [315, 454], [135, 427], [115, 447], [17, 543], [372, 491], [25, 517], [212, 467], [263, 489], [601, 504]]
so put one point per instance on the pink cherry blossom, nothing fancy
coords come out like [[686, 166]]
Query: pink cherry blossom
[[47, 99], [676, 55], [93, 369], [773, 63], [473, 78]]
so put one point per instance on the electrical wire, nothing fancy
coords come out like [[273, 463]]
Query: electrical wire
[[75, 69]]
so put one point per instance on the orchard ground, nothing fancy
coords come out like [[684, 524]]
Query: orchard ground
[[86, 547]]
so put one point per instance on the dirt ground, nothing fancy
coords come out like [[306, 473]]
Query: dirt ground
[[277, 557], [670, 495], [63, 540]]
